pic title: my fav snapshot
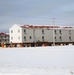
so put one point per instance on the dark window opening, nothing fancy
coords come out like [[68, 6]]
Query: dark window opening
[[70, 38], [43, 38], [24, 38], [25, 31], [30, 37], [42, 31], [60, 38], [60, 32]]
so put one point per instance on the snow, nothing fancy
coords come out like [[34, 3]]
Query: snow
[[51, 60]]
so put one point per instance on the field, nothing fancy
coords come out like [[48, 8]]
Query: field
[[52, 60]]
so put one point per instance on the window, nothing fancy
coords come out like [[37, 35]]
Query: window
[[24, 38], [60, 32], [18, 31], [60, 38], [18, 37], [55, 31], [25, 31], [69, 32], [55, 38], [5, 36], [11, 31], [42, 31], [30, 37], [43, 38], [70, 38]]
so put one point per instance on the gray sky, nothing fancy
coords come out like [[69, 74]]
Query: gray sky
[[36, 12]]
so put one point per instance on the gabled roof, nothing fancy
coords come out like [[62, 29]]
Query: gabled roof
[[15, 26]]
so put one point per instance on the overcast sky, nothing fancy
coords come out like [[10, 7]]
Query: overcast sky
[[36, 12]]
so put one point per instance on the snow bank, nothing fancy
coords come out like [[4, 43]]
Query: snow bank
[[37, 60]]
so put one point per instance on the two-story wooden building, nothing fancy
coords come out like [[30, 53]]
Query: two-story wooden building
[[4, 38]]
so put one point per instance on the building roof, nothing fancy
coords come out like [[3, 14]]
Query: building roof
[[4, 34], [32, 26], [46, 26]]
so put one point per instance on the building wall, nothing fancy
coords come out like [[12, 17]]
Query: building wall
[[30, 35], [46, 33], [4, 38], [27, 35], [61, 35], [66, 35], [15, 34], [72, 35]]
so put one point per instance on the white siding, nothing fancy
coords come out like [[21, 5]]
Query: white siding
[[36, 34], [47, 35], [72, 35], [64, 35], [16, 34], [29, 32]]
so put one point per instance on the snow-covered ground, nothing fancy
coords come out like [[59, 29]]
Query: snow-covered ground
[[52, 60]]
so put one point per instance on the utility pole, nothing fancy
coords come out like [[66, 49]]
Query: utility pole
[[34, 38], [33, 34], [53, 33]]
